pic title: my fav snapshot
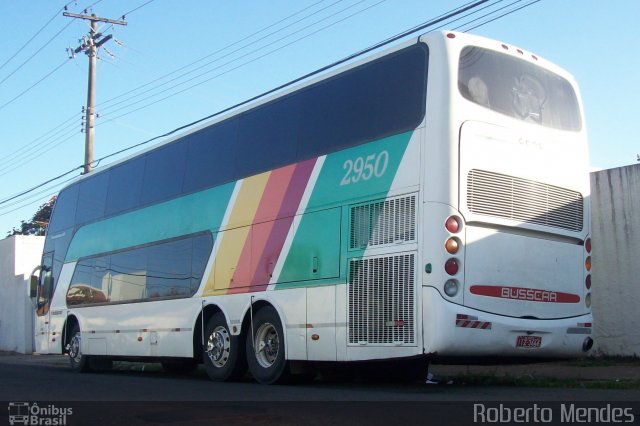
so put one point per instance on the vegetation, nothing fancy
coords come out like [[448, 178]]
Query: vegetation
[[38, 223]]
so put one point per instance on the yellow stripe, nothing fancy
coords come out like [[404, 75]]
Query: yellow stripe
[[237, 231]]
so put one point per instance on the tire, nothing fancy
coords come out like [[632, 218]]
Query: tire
[[265, 348], [223, 354], [79, 362]]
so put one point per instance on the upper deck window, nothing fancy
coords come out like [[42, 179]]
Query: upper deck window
[[517, 88]]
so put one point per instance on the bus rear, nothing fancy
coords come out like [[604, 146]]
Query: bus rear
[[511, 228]]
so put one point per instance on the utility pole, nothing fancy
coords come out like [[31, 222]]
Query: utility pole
[[90, 45]]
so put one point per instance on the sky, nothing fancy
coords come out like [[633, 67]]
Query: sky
[[178, 61]]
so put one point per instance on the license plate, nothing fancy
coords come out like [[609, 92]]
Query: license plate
[[530, 342]]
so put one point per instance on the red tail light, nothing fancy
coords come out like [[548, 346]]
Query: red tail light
[[451, 266]]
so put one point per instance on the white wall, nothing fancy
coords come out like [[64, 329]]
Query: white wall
[[19, 255], [615, 222]]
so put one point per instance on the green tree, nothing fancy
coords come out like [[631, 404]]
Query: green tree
[[38, 223]]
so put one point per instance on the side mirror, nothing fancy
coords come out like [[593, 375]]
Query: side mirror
[[33, 286]]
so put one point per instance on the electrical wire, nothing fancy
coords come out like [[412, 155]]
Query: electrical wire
[[36, 53], [427, 24], [124, 15], [39, 141], [501, 16], [24, 92], [105, 111], [108, 101], [35, 35], [9, 158]]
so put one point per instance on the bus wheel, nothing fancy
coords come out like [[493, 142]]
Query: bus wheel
[[79, 362], [222, 353], [265, 348]]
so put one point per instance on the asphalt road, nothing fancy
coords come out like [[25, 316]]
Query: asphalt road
[[130, 395]]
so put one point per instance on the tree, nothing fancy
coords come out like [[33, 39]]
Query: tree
[[38, 223]]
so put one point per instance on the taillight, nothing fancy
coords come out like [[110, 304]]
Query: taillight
[[587, 282], [587, 263], [453, 224], [452, 245], [587, 245], [451, 266]]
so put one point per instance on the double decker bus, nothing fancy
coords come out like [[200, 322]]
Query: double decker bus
[[429, 200]]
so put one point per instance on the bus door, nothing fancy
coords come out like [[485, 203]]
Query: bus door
[[43, 301]]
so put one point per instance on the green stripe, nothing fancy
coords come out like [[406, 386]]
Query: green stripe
[[312, 239], [201, 211]]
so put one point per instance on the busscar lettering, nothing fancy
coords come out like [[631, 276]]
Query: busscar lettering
[[529, 294]]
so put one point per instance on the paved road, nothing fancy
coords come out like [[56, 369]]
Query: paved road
[[154, 397]]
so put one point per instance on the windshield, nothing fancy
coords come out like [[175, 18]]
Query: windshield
[[517, 88]]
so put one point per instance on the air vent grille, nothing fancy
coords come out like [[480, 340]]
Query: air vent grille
[[381, 300], [494, 194], [385, 222]]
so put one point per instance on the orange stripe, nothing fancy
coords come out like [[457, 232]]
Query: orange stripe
[[236, 235]]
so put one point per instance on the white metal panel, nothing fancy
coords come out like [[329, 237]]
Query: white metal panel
[[321, 322]]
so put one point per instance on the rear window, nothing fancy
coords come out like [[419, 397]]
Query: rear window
[[517, 88]]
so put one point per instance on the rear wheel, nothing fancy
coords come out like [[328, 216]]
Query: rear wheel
[[223, 354], [265, 348]]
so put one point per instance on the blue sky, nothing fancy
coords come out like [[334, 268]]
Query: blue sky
[[178, 61]]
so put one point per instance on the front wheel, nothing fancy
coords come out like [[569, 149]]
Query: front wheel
[[79, 362], [265, 348]]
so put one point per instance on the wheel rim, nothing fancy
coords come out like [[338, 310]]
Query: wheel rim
[[218, 346], [267, 345], [74, 348]]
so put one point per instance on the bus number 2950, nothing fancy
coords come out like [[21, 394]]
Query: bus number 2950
[[361, 168]]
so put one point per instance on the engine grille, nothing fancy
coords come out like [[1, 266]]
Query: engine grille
[[381, 300], [509, 197], [383, 222]]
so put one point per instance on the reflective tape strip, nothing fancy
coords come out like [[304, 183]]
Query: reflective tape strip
[[481, 325]]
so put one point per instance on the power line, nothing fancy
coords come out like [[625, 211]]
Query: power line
[[39, 141], [24, 92], [228, 70], [124, 15], [104, 103], [258, 49], [502, 15], [427, 24], [34, 55], [36, 34], [32, 146]]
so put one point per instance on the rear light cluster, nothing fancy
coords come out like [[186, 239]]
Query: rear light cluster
[[452, 246], [587, 267]]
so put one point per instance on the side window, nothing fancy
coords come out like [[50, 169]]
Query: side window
[[125, 186], [47, 284], [370, 102], [210, 156], [268, 137], [169, 269], [92, 197], [164, 173], [64, 211], [128, 275]]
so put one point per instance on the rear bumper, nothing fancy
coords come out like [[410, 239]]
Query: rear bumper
[[447, 332]]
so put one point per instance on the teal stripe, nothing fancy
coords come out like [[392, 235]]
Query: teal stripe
[[313, 240], [202, 211]]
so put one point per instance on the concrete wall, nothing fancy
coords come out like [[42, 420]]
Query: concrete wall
[[615, 222], [18, 256]]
